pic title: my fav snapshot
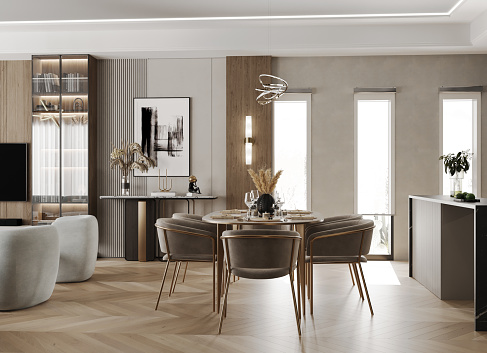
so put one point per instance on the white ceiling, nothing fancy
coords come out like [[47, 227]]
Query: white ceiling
[[217, 28]]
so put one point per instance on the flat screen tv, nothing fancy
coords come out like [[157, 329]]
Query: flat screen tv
[[13, 175]]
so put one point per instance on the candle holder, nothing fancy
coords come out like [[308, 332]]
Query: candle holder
[[164, 183]]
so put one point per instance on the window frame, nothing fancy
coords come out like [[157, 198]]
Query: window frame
[[298, 97], [391, 96], [476, 138]]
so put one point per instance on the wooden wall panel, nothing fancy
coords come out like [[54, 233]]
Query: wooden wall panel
[[16, 124], [242, 79]]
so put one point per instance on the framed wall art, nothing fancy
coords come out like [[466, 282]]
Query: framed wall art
[[161, 127]]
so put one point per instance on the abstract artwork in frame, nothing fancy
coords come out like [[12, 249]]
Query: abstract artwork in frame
[[161, 127]]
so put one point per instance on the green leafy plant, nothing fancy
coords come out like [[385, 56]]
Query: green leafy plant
[[456, 162]]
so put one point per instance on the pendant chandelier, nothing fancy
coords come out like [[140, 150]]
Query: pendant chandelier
[[271, 91]]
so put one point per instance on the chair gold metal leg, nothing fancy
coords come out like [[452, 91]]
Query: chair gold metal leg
[[224, 305], [174, 278], [311, 286], [308, 280], [213, 283], [365, 287], [298, 283], [298, 317], [357, 280], [162, 284], [185, 269], [296, 311], [351, 274]]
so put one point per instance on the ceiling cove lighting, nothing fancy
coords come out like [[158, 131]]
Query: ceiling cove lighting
[[271, 91], [249, 141], [237, 18]]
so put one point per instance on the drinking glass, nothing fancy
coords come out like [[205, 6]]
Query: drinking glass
[[249, 202], [255, 196]]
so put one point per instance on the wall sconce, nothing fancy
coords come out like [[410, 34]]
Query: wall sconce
[[249, 141]]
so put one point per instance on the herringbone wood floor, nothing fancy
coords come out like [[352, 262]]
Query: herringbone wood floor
[[114, 312]]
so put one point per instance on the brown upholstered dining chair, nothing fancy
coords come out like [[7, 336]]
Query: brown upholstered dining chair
[[340, 242], [260, 254], [192, 217], [185, 240], [315, 227]]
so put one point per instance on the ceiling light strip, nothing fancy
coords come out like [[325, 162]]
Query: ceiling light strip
[[241, 18]]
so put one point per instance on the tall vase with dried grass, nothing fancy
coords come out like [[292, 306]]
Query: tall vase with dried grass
[[265, 183], [128, 157]]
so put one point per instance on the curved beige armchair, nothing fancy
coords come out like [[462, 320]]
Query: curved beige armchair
[[29, 261], [78, 240]]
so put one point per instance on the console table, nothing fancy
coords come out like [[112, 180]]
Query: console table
[[141, 213], [448, 249]]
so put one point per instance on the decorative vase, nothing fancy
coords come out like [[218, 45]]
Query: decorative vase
[[456, 183], [125, 185], [265, 203]]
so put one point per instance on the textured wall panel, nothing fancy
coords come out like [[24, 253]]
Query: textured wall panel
[[242, 78], [16, 125], [119, 82]]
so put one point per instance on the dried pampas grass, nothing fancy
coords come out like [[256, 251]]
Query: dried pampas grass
[[264, 181]]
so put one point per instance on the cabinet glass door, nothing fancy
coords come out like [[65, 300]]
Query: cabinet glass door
[[46, 126], [74, 137]]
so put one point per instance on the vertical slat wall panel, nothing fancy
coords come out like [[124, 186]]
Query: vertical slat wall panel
[[119, 82]]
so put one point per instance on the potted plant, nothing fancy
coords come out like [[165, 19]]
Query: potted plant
[[456, 164]]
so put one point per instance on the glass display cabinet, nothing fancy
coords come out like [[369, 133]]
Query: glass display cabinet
[[63, 136]]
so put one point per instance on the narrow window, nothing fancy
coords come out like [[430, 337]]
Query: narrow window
[[460, 131], [374, 165], [292, 145]]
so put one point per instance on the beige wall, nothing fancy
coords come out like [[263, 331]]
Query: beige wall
[[204, 81], [417, 79]]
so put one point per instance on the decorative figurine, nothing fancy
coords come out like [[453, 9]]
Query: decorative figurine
[[192, 185]]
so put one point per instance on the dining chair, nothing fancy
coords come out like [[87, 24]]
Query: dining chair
[[315, 227], [340, 242], [185, 240], [193, 217], [260, 254]]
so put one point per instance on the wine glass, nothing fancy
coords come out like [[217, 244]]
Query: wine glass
[[255, 196], [249, 202]]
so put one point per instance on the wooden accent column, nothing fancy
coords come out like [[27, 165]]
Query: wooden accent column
[[242, 80], [16, 126]]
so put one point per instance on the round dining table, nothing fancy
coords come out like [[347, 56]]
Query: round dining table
[[233, 219]]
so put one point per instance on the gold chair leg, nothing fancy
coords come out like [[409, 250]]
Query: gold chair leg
[[308, 280], [213, 283], [298, 284], [185, 269], [357, 278], [174, 278], [162, 284], [351, 274], [298, 318], [365, 287], [311, 286], [224, 305]]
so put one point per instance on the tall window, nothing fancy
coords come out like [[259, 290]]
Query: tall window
[[292, 146], [374, 165], [460, 130]]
